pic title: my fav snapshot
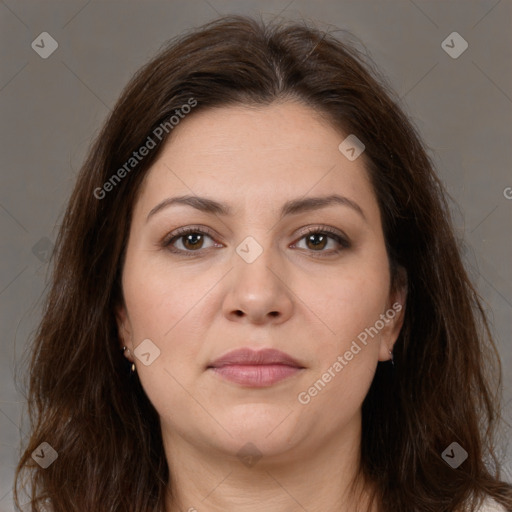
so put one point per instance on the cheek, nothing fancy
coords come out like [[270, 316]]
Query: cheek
[[337, 398], [349, 304], [349, 301], [344, 362], [166, 305], [160, 296]]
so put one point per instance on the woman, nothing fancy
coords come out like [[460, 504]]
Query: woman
[[259, 231]]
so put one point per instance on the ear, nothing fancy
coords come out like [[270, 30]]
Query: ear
[[394, 316], [123, 328]]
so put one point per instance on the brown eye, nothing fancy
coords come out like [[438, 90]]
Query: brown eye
[[187, 241], [192, 241], [318, 241]]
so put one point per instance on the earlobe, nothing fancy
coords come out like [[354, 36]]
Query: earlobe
[[399, 306], [395, 319], [123, 330], [398, 300], [396, 315]]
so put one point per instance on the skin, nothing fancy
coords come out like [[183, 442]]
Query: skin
[[196, 308]]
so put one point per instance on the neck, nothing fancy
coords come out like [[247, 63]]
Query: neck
[[313, 477]]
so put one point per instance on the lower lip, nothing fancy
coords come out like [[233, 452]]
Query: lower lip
[[256, 375]]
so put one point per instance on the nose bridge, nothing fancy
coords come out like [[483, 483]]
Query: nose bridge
[[257, 289], [255, 260]]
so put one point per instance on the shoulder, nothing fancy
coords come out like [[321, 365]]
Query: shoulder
[[491, 505]]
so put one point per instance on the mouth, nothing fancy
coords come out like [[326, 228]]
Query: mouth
[[251, 368]]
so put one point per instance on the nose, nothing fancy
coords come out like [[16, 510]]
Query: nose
[[258, 292]]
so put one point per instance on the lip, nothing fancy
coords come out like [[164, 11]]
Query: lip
[[252, 368]]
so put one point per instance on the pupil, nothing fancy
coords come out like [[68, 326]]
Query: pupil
[[311, 237], [189, 239], [197, 237]]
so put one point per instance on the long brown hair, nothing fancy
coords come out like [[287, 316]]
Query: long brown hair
[[446, 382]]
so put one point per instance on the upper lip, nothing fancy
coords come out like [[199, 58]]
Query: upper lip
[[248, 356]]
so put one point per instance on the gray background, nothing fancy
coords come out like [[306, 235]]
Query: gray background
[[51, 108]]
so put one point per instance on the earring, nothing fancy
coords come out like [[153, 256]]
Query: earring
[[391, 354], [132, 369]]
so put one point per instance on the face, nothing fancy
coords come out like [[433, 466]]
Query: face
[[275, 270]]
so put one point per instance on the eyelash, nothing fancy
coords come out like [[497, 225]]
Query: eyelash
[[322, 230]]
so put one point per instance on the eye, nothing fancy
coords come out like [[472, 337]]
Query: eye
[[316, 240], [190, 238]]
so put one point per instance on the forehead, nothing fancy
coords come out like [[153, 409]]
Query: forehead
[[242, 128], [233, 153]]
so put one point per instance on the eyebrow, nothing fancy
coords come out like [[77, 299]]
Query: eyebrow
[[292, 207]]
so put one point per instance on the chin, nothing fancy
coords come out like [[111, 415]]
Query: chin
[[269, 427]]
